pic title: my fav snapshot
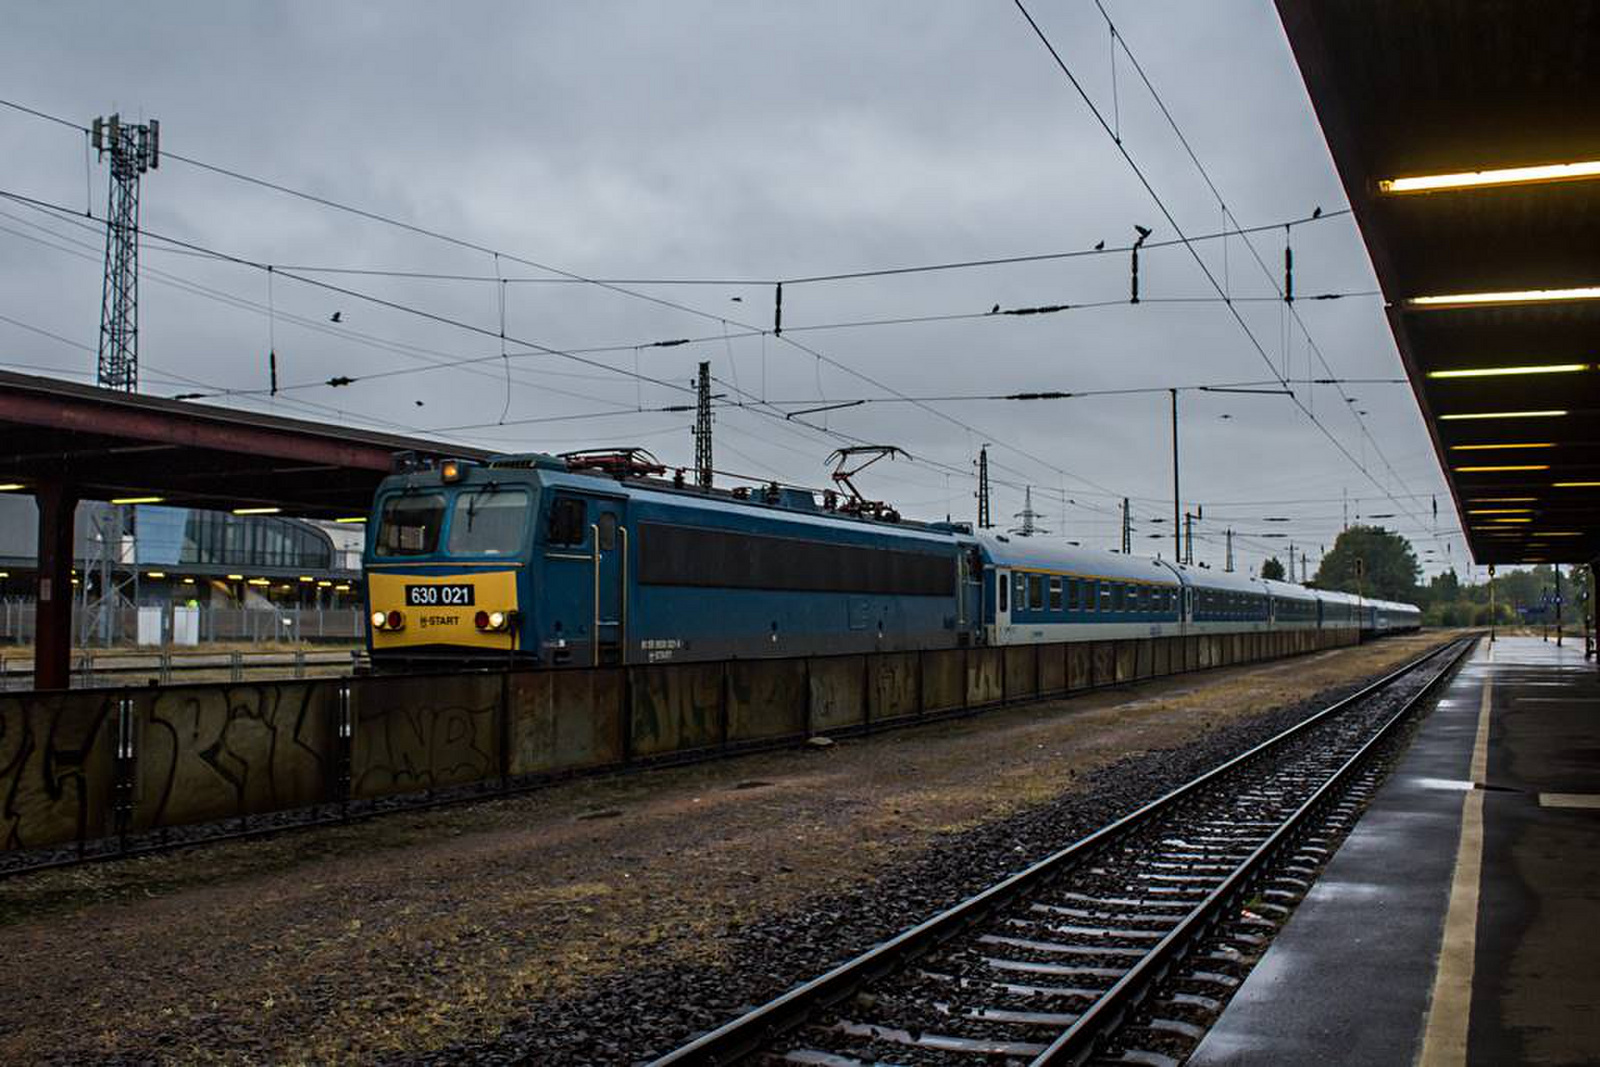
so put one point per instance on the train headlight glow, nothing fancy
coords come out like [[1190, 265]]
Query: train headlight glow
[[377, 620], [497, 620]]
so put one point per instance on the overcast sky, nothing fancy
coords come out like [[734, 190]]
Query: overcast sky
[[746, 142]]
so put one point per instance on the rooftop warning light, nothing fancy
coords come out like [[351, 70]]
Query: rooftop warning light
[[1480, 179]]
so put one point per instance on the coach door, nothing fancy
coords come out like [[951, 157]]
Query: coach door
[[1002, 601], [608, 541]]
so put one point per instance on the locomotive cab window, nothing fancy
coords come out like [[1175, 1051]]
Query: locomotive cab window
[[608, 531], [410, 525], [1000, 589], [568, 521], [488, 522]]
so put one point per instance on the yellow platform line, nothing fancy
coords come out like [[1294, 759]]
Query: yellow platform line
[[1444, 1042]]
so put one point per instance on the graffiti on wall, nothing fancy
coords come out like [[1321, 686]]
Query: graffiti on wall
[[56, 754]]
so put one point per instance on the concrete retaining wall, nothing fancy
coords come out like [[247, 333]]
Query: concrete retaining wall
[[89, 765]]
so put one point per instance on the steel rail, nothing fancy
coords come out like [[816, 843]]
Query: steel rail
[[746, 1034], [1080, 1041]]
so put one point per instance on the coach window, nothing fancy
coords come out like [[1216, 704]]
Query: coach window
[[488, 522], [1055, 594], [1105, 596], [568, 521], [410, 525], [1036, 592]]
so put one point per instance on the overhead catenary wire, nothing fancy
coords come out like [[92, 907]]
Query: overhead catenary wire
[[1173, 222], [1285, 292], [568, 276]]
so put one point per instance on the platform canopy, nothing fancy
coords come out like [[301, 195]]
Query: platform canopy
[[109, 445], [1467, 136]]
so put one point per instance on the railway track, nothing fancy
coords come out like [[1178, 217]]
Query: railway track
[[1120, 947]]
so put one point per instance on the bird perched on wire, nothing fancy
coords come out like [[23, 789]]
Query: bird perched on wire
[[1317, 214], [1144, 231], [337, 316], [995, 310], [1100, 245]]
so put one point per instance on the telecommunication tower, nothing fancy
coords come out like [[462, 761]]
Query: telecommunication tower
[[133, 148]]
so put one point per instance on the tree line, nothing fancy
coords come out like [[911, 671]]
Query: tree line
[[1374, 562]]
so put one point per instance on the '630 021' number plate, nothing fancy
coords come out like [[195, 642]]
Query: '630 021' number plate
[[427, 596]]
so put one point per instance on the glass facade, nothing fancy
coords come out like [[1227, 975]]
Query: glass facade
[[213, 538]]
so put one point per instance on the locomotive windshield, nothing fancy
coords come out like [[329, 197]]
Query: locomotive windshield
[[488, 522], [410, 525]]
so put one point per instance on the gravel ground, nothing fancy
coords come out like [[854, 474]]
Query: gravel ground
[[606, 920]]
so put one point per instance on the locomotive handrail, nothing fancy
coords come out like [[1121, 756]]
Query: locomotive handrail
[[594, 631], [622, 594]]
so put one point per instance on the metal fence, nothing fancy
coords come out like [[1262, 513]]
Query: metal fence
[[254, 625], [118, 765]]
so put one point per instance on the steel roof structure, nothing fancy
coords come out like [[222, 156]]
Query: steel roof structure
[[109, 444], [1464, 132]]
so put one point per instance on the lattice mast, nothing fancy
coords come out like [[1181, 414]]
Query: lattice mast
[[702, 429], [132, 150]]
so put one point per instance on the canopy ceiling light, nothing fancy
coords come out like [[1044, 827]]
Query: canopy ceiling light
[[1478, 179], [1499, 511], [1499, 372], [1524, 444], [1502, 499], [1576, 485], [1508, 467], [1550, 414], [1507, 296]]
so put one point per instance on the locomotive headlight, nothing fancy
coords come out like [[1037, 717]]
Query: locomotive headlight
[[377, 620], [497, 620]]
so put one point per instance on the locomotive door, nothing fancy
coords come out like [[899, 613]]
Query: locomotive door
[[608, 540]]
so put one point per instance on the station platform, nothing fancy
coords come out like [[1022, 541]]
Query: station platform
[[1460, 921]]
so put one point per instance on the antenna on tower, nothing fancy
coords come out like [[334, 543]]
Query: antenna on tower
[[702, 428], [134, 149]]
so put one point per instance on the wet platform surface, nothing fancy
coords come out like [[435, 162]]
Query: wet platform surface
[[1460, 921]]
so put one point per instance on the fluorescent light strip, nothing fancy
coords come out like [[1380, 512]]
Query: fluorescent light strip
[[256, 511], [1576, 485], [1499, 511], [137, 499], [1482, 448], [1550, 414], [1478, 179], [1508, 296], [1500, 372], [1501, 499], [1511, 467]]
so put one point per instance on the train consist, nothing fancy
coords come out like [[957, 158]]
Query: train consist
[[602, 558]]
